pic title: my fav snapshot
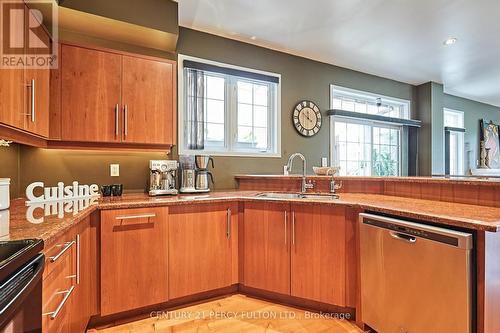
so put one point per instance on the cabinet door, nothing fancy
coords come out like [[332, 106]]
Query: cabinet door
[[148, 101], [134, 258], [12, 85], [37, 92], [267, 246], [318, 253], [83, 298], [200, 240], [91, 95]]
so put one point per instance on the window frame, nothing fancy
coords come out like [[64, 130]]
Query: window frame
[[230, 115], [362, 94], [460, 141]]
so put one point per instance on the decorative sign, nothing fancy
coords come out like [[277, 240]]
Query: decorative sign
[[37, 211], [61, 192]]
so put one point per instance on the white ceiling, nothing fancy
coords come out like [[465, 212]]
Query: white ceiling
[[397, 39]]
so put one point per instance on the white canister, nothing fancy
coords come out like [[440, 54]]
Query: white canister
[[4, 193]]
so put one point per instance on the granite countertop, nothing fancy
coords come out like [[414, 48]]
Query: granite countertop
[[485, 181], [49, 221]]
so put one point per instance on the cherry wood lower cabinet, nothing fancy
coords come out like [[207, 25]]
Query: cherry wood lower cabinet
[[318, 256], [68, 293], [302, 250], [202, 245], [134, 258], [266, 246]]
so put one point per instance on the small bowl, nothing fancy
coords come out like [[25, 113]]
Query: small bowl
[[326, 171]]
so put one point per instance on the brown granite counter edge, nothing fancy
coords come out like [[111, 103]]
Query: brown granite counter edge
[[427, 180], [49, 238], [439, 219]]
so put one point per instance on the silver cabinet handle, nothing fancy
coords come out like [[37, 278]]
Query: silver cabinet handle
[[125, 120], [32, 113], [78, 243], [132, 217], [293, 227], [33, 100], [55, 313], [286, 218], [65, 248], [117, 132], [228, 223]]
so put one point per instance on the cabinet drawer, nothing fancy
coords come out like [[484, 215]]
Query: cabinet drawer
[[58, 288], [64, 248]]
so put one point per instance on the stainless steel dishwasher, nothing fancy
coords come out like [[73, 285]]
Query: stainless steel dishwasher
[[415, 278]]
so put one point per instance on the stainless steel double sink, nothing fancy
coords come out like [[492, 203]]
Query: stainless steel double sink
[[303, 196]]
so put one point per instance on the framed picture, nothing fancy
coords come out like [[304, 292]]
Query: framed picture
[[489, 134]]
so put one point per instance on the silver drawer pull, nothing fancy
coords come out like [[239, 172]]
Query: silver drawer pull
[[132, 217], [65, 248], [55, 313]]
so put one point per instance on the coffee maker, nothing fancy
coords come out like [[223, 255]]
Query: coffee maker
[[195, 174], [202, 173], [163, 177]]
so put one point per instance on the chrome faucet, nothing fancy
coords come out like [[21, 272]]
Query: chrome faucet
[[333, 186], [305, 185]]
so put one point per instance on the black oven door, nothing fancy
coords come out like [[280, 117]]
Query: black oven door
[[21, 299]]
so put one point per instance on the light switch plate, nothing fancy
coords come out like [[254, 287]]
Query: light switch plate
[[114, 170]]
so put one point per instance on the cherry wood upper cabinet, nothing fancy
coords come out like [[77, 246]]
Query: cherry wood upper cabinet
[[91, 95], [318, 257], [37, 82], [24, 92], [202, 243], [148, 101], [267, 246], [116, 97], [12, 86], [134, 258]]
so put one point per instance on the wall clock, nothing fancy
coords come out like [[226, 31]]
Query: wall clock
[[307, 118]]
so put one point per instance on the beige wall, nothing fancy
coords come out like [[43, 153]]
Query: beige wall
[[9, 167]]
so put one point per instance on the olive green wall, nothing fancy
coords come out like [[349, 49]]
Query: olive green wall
[[301, 79], [9, 167], [473, 112], [87, 167]]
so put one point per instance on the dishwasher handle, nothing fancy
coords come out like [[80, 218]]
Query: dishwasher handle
[[403, 237]]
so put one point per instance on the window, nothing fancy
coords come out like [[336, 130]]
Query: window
[[240, 110], [454, 124], [363, 147]]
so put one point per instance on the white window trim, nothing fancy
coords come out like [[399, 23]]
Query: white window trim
[[360, 93], [365, 122], [463, 166], [180, 112], [462, 113]]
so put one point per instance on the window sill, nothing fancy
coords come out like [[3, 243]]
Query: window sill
[[228, 154]]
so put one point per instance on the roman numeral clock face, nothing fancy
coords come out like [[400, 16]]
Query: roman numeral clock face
[[307, 118]]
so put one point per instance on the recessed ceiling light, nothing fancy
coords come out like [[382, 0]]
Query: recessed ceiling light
[[253, 38], [450, 41]]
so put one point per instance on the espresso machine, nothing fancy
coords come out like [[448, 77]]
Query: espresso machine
[[163, 177], [195, 174]]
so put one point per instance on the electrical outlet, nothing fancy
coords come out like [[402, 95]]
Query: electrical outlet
[[114, 170], [324, 162]]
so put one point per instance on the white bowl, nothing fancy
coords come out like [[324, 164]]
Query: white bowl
[[326, 171]]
